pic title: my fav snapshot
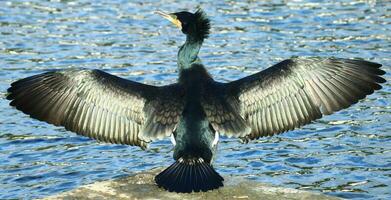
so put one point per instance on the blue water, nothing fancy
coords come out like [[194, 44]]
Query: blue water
[[347, 154]]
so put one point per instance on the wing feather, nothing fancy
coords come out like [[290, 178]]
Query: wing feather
[[99, 105], [297, 91]]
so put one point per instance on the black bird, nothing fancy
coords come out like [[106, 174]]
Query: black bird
[[195, 110]]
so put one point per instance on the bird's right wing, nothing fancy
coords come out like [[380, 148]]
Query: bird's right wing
[[99, 105], [297, 91]]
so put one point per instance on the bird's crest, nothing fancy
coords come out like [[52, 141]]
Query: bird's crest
[[202, 23]]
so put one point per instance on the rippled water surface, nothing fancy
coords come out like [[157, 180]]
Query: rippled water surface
[[346, 154]]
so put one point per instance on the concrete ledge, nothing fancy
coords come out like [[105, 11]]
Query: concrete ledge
[[142, 186]]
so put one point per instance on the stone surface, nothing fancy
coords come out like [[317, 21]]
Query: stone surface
[[142, 186]]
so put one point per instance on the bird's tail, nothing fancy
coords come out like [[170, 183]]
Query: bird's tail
[[187, 175]]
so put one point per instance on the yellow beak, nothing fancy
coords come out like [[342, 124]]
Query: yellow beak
[[170, 17]]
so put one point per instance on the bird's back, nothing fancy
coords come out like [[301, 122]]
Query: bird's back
[[193, 134], [194, 138]]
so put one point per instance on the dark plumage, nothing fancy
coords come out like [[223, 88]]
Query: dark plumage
[[197, 109]]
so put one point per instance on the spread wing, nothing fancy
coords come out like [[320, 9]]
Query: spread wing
[[99, 105], [297, 91], [223, 115]]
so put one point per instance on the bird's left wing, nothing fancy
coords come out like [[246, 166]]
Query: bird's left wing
[[297, 91], [99, 105]]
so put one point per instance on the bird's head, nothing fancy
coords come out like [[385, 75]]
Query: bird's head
[[196, 24]]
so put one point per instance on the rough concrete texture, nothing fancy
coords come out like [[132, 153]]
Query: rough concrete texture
[[142, 186]]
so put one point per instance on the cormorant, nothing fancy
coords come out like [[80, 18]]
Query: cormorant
[[195, 110]]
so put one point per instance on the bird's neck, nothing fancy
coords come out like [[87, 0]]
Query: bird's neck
[[188, 53]]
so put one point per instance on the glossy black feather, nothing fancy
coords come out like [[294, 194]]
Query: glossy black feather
[[195, 24], [297, 91], [99, 105], [189, 175]]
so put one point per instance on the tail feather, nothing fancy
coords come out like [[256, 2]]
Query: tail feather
[[185, 176]]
